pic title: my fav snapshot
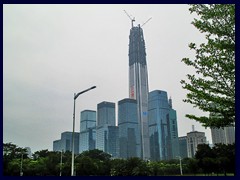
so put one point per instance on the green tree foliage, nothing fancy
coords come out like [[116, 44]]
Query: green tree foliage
[[136, 167], [225, 157], [12, 151], [96, 154], [43, 153], [12, 155], [220, 158], [118, 167], [129, 167], [192, 165], [209, 165], [204, 150], [212, 89], [100, 162], [204, 156], [85, 166]]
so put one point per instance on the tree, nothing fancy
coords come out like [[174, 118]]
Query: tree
[[225, 157], [212, 89], [118, 167], [204, 150], [11, 156], [192, 165], [205, 156], [154, 168], [86, 166], [12, 151], [208, 165], [96, 154], [41, 153], [100, 162]]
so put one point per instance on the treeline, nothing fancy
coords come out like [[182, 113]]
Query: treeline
[[218, 160]]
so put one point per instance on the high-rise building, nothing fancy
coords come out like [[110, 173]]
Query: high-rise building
[[65, 143], [225, 135], [106, 130], [183, 153], [57, 145], [87, 136], [138, 84], [159, 131], [173, 129], [106, 114], [129, 132], [194, 138]]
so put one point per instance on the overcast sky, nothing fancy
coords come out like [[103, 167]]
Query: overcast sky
[[52, 51]]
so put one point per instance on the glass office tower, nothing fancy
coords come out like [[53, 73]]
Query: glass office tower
[[173, 131], [106, 130], [129, 132], [87, 136], [65, 143], [158, 114], [106, 114], [138, 84], [57, 145], [183, 153]]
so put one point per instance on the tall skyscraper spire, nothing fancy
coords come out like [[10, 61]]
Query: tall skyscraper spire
[[138, 84], [170, 102]]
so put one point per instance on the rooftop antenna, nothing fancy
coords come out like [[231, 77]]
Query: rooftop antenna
[[146, 21], [170, 102], [193, 129], [132, 19]]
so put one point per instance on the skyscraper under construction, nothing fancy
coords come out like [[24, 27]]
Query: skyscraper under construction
[[138, 84]]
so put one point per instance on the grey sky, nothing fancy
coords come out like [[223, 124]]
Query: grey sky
[[52, 51]]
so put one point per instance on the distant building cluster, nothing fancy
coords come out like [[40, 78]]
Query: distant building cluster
[[225, 135], [98, 129], [147, 123], [188, 144]]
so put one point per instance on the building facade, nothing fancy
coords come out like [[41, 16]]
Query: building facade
[[183, 153], [106, 130], [87, 136], [158, 115], [57, 145], [106, 114], [129, 131], [194, 138], [65, 143], [173, 128], [138, 84], [224, 135]]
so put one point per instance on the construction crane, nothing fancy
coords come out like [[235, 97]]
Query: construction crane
[[132, 19], [146, 21]]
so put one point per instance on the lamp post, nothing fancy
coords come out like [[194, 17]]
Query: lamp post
[[180, 160], [21, 169], [61, 163], [74, 99]]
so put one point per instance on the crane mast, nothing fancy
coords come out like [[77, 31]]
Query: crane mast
[[146, 21], [132, 19]]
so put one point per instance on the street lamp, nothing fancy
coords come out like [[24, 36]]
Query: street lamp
[[74, 98], [75, 165], [180, 160], [21, 169], [61, 163]]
